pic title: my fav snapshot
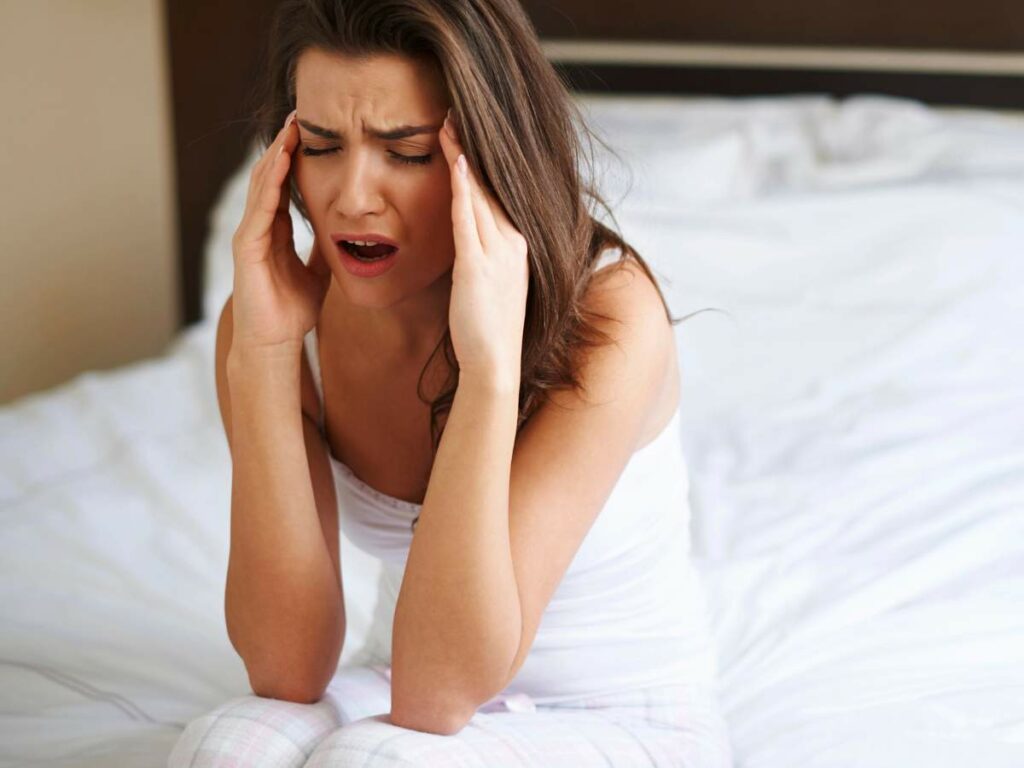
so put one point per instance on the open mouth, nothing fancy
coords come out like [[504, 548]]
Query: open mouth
[[367, 252]]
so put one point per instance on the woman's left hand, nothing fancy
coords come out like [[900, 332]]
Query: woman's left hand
[[490, 277]]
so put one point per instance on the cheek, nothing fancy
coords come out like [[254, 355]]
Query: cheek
[[435, 204], [433, 195]]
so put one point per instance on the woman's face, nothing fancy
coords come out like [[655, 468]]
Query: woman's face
[[353, 181]]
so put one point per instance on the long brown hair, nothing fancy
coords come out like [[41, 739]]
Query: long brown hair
[[500, 86]]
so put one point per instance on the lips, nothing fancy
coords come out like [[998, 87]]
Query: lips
[[373, 237]]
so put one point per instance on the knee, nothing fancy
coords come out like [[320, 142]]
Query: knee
[[253, 731], [373, 742]]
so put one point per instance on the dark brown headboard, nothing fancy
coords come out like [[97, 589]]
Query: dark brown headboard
[[943, 52]]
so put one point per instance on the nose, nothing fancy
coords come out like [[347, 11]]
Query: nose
[[358, 192]]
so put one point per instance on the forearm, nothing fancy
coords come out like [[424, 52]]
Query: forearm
[[283, 601], [457, 622]]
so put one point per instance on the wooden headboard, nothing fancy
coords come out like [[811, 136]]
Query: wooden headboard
[[941, 52]]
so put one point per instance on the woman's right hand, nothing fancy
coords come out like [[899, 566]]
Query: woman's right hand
[[277, 298]]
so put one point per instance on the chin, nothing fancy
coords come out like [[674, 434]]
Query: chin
[[362, 293]]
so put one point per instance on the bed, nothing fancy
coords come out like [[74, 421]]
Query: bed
[[853, 419]]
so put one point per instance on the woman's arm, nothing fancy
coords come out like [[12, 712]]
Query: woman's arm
[[283, 600], [457, 621]]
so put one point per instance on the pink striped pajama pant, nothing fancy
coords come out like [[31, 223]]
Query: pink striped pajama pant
[[677, 725]]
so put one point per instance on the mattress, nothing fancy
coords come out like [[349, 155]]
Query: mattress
[[852, 415]]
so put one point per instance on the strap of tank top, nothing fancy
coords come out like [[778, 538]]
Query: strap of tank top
[[310, 344]]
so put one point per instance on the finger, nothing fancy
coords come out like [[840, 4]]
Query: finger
[[263, 219], [499, 220], [467, 236], [464, 225], [464, 222], [274, 196], [285, 203], [478, 194], [487, 231], [287, 138]]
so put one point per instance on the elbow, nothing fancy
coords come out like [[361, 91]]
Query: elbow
[[426, 706], [284, 678], [287, 688], [291, 682], [442, 720]]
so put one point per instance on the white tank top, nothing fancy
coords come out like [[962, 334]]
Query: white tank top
[[630, 610]]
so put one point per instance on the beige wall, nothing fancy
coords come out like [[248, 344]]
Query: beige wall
[[87, 232]]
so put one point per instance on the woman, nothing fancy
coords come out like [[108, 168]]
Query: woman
[[539, 478]]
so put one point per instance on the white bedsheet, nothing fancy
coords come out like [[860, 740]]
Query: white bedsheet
[[853, 418]]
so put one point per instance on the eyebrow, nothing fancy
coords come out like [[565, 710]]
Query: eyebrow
[[401, 132]]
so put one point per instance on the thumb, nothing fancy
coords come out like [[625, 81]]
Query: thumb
[[282, 234], [284, 202]]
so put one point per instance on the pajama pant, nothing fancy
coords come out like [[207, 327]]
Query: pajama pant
[[675, 725]]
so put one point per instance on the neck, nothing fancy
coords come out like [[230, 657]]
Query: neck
[[405, 332]]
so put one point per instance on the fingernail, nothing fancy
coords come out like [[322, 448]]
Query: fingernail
[[291, 116], [461, 164]]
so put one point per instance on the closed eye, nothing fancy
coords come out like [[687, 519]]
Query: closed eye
[[407, 159]]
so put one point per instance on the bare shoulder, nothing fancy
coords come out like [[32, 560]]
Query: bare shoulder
[[631, 308], [643, 348]]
